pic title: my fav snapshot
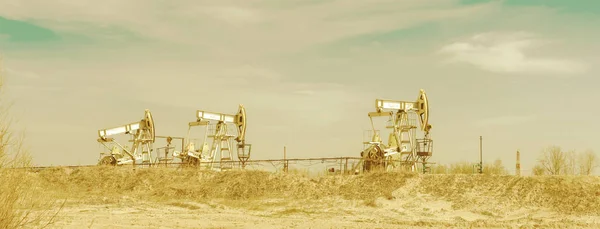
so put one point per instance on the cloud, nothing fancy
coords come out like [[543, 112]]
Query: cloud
[[249, 73], [305, 92], [21, 74], [505, 120], [18, 31], [505, 52], [237, 16], [236, 29], [214, 86]]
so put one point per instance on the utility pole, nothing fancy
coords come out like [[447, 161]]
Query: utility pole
[[480, 155], [518, 169], [285, 163]]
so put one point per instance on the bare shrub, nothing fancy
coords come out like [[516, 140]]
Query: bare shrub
[[301, 172], [538, 170], [496, 168], [461, 168], [19, 203], [588, 162], [439, 169]]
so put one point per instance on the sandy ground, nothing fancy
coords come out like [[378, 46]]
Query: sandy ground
[[418, 212]]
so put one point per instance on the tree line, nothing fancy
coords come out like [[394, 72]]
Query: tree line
[[553, 160], [556, 161]]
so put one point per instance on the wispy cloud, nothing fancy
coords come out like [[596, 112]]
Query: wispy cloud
[[245, 27], [305, 92], [21, 74], [505, 120], [505, 52]]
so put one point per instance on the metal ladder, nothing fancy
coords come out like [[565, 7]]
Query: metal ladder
[[407, 129], [221, 144]]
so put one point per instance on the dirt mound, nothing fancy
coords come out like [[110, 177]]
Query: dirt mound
[[487, 193], [384, 200], [194, 184], [564, 194]]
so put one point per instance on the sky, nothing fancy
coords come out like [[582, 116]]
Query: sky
[[519, 73]]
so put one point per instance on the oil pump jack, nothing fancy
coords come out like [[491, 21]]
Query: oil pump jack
[[403, 145], [218, 130], [142, 136]]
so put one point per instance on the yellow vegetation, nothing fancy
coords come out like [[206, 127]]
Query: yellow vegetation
[[563, 194], [20, 205]]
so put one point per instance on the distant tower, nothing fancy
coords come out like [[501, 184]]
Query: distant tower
[[518, 171]]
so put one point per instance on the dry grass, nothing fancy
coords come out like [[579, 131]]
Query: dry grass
[[276, 195], [9, 197], [567, 195], [496, 168], [562, 194], [201, 185], [20, 204]]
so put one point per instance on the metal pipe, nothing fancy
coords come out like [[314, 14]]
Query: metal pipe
[[249, 161]]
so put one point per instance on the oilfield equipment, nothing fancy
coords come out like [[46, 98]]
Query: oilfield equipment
[[218, 135], [213, 149], [142, 136], [403, 149], [164, 154]]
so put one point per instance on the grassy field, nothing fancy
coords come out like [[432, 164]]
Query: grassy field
[[165, 198]]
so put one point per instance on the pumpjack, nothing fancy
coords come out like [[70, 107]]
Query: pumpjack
[[404, 149], [142, 135], [218, 132]]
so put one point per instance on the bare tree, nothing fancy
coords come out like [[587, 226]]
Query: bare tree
[[588, 161], [570, 167], [553, 160], [538, 170]]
